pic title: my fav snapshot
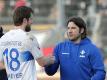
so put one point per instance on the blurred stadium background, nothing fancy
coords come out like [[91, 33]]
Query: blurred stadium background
[[49, 23]]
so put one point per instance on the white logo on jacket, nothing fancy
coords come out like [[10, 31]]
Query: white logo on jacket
[[82, 54], [65, 53]]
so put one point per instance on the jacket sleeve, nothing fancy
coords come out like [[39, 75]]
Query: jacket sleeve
[[97, 64], [52, 69]]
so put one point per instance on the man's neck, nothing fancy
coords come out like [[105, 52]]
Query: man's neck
[[19, 27]]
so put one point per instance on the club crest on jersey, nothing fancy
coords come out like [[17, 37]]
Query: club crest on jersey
[[82, 54]]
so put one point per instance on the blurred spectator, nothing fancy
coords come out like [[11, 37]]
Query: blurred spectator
[[1, 32], [101, 5], [1, 6], [20, 3], [3, 75]]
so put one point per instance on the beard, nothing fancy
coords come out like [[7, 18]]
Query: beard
[[28, 28], [74, 38]]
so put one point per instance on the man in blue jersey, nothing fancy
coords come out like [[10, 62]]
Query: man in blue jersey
[[19, 48], [78, 57]]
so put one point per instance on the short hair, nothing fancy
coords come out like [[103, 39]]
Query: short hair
[[80, 23], [20, 13]]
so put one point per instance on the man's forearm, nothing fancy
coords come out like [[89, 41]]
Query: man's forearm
[[49, 60], [43, 61]]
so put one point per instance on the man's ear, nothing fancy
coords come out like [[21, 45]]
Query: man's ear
[[24, 20], [82, 30]]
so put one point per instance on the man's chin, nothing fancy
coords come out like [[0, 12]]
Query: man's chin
[[72, 39]]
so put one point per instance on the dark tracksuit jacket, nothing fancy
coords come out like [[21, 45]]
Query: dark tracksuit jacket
[[81, 61]]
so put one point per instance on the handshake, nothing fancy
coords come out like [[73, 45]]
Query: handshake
[[49, 60], [46, 60]]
